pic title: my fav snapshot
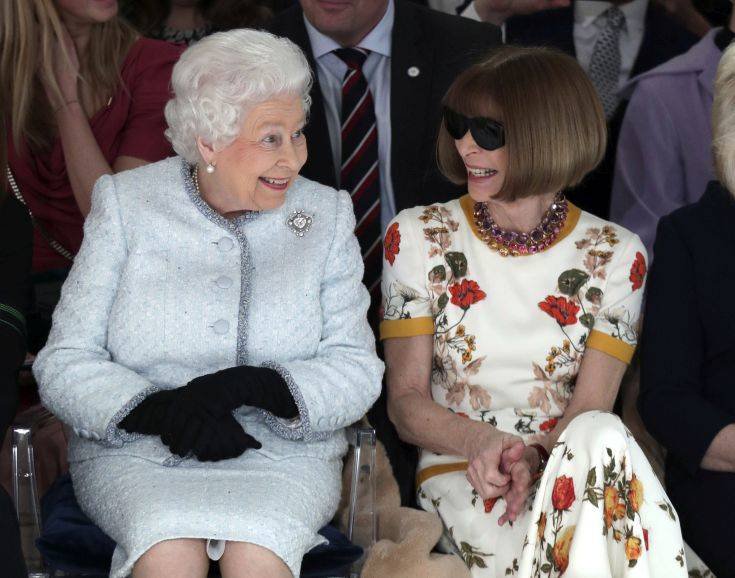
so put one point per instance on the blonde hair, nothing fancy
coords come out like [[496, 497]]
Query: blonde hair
[[28, 29], [723, 120], [555, 129]]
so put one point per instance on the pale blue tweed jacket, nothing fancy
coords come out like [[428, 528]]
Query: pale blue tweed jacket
[[164, 289]]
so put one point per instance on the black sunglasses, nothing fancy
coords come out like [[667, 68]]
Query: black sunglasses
[[489, 134]]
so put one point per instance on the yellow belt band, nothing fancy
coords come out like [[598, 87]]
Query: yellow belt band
[[438, 470]]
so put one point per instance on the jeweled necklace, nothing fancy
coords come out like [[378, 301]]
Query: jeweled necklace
[[514, 244]]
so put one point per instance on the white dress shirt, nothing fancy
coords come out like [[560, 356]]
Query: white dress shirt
[[331, 71], [589, 22]]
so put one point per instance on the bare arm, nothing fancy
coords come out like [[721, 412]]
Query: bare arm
[[423, 422], [597, 386], [419, 420], [85, 162], [720, 456]]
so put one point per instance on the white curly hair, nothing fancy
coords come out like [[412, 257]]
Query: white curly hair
[[723, 120], [220, 77]]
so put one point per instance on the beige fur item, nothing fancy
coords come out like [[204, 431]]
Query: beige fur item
[[406, 536]]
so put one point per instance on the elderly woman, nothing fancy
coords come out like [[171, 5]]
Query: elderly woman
[[509, 319], [211, 341], [687, 396]]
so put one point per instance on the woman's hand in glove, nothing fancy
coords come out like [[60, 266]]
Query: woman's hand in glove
[[147, 417], [209, 439], [221, 392]]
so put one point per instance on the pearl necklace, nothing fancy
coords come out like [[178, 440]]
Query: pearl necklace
[[514, 244]]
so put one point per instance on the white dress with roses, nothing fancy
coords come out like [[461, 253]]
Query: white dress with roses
[[509, 336]]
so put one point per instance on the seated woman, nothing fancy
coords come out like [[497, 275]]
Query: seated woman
[[687, 398], [85, 97], [509, 319], [211, 341]]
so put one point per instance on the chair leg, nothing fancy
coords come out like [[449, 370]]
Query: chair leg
[[362, 522], [25, 496]]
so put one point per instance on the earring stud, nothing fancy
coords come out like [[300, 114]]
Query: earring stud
[[210, 168]]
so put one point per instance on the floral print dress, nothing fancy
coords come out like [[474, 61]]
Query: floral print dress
[[509, 337]]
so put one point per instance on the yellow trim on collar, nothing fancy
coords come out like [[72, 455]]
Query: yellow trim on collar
[[406, 327], [610, 345], [468, 207]]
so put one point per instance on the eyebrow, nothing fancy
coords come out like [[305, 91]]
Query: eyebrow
[[277, 124]]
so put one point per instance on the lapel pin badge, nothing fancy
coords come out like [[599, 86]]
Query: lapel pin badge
[[413, 71]]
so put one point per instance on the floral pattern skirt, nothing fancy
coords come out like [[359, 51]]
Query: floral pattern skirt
[[598, 511]]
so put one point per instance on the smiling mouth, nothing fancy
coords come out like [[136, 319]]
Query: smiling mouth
[[278, 184], [476, 172]]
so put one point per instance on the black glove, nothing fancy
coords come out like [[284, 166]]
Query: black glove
[[147, 417], [209, 439], [186, 429], [222, 392]]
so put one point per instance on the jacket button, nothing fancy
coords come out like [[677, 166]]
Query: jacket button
[[83, 433], [220, 327], [223, 282], [95, 436], [225, 244]]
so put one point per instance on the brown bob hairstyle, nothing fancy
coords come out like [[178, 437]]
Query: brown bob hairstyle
[[555, 129]]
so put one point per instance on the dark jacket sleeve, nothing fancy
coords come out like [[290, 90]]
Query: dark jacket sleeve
[[16, 243], [673, 353]]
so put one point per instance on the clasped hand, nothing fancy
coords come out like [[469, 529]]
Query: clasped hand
[[197, 418], [500, 464], [187, 428]]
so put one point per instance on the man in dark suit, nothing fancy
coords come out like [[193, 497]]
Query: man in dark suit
[[428, 49], [646, 36], [381, 69]]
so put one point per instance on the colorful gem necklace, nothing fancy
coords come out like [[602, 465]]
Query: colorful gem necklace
[[512, 243]]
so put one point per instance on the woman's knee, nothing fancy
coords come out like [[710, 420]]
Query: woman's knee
[[246, 560], [181, 557], [595, 429]]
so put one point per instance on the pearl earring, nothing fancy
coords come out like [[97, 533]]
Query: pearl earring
[[210, 168]]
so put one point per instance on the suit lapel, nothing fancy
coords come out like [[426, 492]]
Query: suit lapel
[[410, 101]]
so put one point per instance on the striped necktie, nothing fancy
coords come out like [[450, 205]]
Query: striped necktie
[[360, 172]]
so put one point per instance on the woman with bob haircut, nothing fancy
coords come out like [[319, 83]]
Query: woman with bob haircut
[[83, 97], [211, 342], [510, 317], [687, 397]]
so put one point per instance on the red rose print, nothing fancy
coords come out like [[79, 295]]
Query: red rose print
[[638, 271], [565, 312], [489, 504], [392, 243], [562, 496], [462, 414], [466, 293], [549, 424]]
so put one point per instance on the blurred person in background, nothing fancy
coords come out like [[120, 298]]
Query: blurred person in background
[[186, 21], [84, 97], [664, 159]]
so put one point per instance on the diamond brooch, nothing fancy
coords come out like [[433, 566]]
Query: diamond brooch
[[300, 223]]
